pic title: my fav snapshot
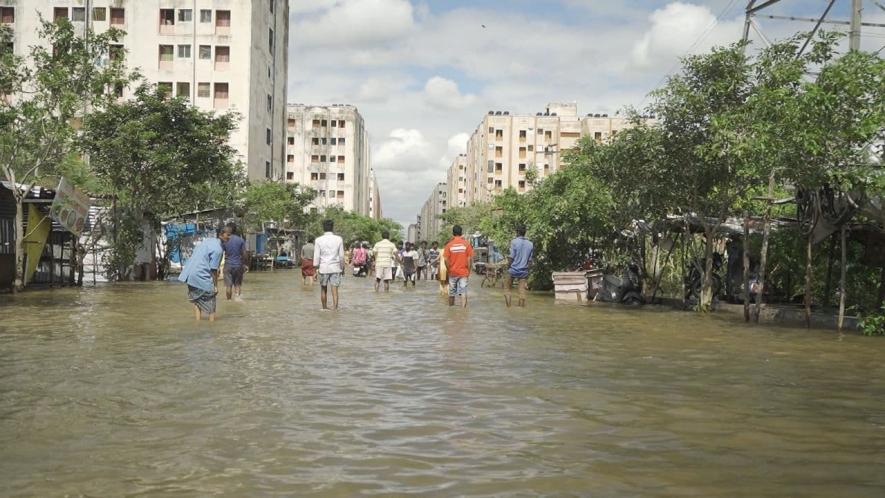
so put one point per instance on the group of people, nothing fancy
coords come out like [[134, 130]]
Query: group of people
[[325, 259]]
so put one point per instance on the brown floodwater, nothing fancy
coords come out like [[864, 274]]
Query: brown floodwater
[[116, 391]]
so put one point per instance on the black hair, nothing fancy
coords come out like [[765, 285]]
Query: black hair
[[328, 225], [456, 230], [232, 227], [385, 234], [520, 230], [310, 239]]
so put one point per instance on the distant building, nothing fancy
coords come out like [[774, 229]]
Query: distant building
[[328, 150], [412, 233], [456, 180], [374, 197], [430, 221], [219, 54]]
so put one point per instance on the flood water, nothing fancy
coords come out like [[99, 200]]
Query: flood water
[[116, 391]]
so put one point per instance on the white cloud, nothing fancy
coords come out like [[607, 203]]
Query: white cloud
[[457, 144], [443, 93], [353, 23], [403, 150], [679, 29]]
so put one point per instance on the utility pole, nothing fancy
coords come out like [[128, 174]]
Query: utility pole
[[854, 33]]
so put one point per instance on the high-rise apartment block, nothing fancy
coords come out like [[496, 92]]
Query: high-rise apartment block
[[430, 220], [328, 150], [220, 54], [374, 197], [456, 180]]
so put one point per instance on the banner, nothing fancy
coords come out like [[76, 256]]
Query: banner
[[70, 208]]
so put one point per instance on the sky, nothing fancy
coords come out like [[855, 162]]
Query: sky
[[424, 73]]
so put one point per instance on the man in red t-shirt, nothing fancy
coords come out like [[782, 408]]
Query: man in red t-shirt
[[458, 254]]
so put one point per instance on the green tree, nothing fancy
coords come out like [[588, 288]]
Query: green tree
[[48, 91], [353, 227], [159, 156], [275, 201]]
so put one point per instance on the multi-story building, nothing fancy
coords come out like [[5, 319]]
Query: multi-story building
[[374, 197], [222, 55], [505, 148], [328, 150], [456, 180], [430, 221]]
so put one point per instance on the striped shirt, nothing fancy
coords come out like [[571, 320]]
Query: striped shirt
[[383, 252]]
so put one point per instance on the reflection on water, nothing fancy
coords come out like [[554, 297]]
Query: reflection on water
[[117, 391]]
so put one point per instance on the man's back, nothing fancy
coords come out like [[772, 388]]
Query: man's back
[[383, 252], [307, 251], [521, 250], [458, 252], [206, 257], [329, 252], [233, 251]]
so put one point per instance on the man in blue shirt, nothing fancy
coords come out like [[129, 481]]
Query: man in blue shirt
[[521, 251], [200, 273], [234, 252]]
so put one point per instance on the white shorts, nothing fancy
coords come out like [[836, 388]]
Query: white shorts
[[383, 273]]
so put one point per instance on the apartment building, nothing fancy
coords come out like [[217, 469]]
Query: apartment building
[[328, 150], [504, 148], [430, 221], [222, 55], [456, 180], [374, 197]]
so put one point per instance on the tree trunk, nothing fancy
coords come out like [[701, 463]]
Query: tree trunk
[[746, 275], [809, 275], [843, 270], [763, 262], [706, 297], [19, 283]]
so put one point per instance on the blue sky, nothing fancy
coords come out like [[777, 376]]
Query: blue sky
[[423, 73]]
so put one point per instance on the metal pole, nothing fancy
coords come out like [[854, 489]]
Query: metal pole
[[854, 33]]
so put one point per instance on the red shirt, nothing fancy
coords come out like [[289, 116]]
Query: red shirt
[[458, 253]]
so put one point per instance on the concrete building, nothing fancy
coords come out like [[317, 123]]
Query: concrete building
[[456, 180], [430, 221], [222, 55], [374, 197], [504, 148], [412, 233], [328, 150]]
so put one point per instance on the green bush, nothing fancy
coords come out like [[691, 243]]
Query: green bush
[[874, 323]]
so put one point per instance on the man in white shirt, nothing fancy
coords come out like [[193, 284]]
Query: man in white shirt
[[329, 258], [383, 255]]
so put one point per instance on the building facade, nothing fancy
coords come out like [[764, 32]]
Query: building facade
[[374, 197], [456, 180], [328, 150], [505, 148], [430, 221], [222, 55]]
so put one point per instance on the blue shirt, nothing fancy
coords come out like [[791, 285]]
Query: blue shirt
[[521, 250], [233, 251], [197, 271]]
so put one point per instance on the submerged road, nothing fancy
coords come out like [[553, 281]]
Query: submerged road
[[116, 391]]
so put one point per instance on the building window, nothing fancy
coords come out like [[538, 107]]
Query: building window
[[269, 103], [522, 185], [270, 40], [322, 158], [314, 177], [205, 15], [290, 175], [314, 159], [323, 140], [323, 123], [522, 135], [203, 90], [166, 52], [499, 134], [184, 51], [597, 136], [333, 141], [222, 22], [491, 130], [271, 5], [118, 17], [7, 15], [116, 52], [340, 159], [183, 89], [291, 140], [290, 158], [185, 15], [78, 14], [340, 177], [99, 14], [268, 136], [165, 88], [499, 168], [334, 123], [522, 167], [341, 141], [315, 140], [341, 194], [222, 58], [499, 152], [267, 170], [167, 17], [60, 13], [498, 183], [315, 123], [322, 176], [205, 52], [222, 94], [531, 148]]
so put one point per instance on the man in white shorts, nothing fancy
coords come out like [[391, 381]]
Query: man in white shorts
[[382, 261]]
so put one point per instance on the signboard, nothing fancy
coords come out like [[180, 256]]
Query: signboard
[[70, 208]]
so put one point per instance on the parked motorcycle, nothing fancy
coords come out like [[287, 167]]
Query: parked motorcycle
[[626, 289]]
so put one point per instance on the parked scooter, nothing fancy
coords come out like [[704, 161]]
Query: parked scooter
[[626, 289]]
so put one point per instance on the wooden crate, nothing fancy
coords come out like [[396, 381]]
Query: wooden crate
[[570, 286]]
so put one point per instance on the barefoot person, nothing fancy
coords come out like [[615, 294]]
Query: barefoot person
[[307, 270], [234, 254], [200, 273], [330, 261], [521, 250], [383, 255], [458, 254]]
